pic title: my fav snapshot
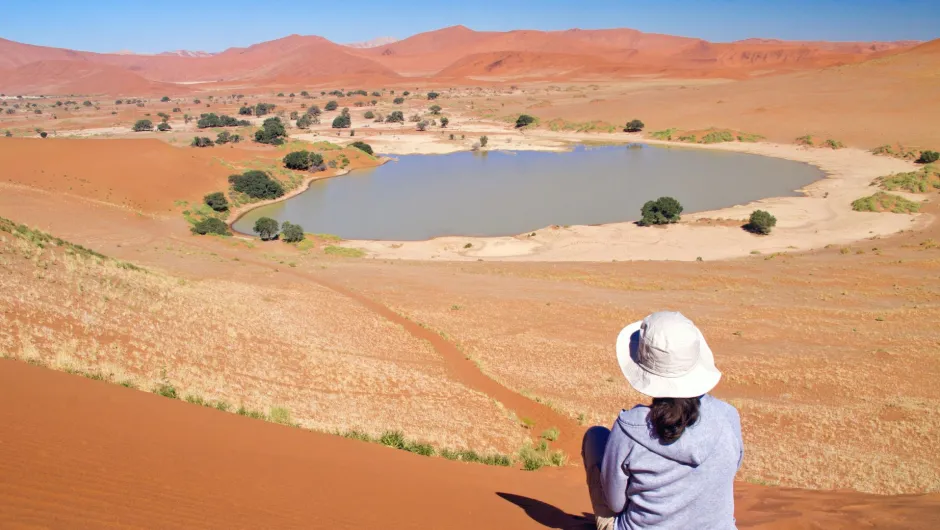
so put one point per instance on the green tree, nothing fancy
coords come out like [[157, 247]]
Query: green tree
[[266, 228], [368, 115], [163, 126], [343, 121], [292, 233], [433, 95], [331, 105], [211, 225], [304, 122], [444, 121], [143, 125], [422, 126], [257, 185], [398, 101], [663, 210], [395, 116], [634, 126], [223, 137], [216, 201], [362, 146], [761, 222], [299, 160], [435, 109], [165, 99], [928, 157], [272, 132], [246, 111], [524, 120]]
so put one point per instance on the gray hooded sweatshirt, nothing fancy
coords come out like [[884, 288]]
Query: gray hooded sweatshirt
[[686, 484]]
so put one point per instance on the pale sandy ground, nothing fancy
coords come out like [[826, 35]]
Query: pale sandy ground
[[822, 217]]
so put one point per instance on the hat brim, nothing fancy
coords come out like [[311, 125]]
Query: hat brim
[[700, 380]]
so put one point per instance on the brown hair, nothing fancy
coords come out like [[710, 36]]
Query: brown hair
[[669, 417]]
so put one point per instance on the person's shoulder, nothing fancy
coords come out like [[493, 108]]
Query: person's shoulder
[[635, 416], [723, 407]]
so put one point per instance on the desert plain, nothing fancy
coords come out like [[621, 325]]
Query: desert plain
[[497, 347]]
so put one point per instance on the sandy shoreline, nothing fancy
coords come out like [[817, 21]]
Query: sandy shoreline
[[822, 216]]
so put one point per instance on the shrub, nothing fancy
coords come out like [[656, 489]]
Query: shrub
[[343, 121], [444, 121], [665, 134], [163, 126], [398, 101], [368, 115], [396, 116], [805, 140], [202, 141], [431, 95], [304, 93], [299, 160], [264, 108], [422, 125], [223, 137], [663, 210], [266, 228], [885, 202], [435, 109], [833, 144], [246, 111], [314, 110], [292, 233], [43, 134], [634, 126], [8, 134], [211, 225], [761, 222], [331, 105], [165, 99], [177, 109], [212, 120], [484, 140], [257, 185], [143, 125], [304, 122], [216, 201], [271, 132], [928, 157], [524, 120], [362, 146]]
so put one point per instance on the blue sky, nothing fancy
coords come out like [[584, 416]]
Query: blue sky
[[148, 26]]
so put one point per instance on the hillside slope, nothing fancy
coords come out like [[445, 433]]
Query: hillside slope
[[77, 452]]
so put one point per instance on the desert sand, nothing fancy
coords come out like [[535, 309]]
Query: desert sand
[[821, 328]]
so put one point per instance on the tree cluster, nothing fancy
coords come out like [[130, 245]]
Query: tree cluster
[[257, 185], [272, 132]]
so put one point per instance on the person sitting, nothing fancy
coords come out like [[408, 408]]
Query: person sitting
[[669, 465]]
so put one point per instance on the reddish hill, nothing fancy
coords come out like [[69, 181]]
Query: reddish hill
[[79, 77], [519, 65]]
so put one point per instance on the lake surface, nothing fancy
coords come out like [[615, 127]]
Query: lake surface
[[507, 193]]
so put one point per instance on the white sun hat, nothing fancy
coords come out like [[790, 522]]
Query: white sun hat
[[665, 355]]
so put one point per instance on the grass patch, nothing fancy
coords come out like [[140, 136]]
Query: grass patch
[[920, 181], [885, 202], [345, 252], [537, 456], [665, 134], [166, 390], [280, 415], [805, 140], [551, 434], [833, 144], [716, 137], [749, 137]]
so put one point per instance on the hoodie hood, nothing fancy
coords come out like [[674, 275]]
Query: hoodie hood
[[692, 448]]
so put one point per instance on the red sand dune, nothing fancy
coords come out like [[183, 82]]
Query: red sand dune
[[454, 52], [80, 77], [81, 453]]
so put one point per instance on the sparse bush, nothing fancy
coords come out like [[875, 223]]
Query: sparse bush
[[398, 101], [422, 125], [264, 108], [304, 121], [665, 134], [314, 110], [444, 122], [431, 95], [201, 141], [928, 157], [833, 144], [716, 137], [292, 233], [362, 146], [266, 228], [176, 109], [271, 132], [223, 137], [664, 210], [634, 126], [368, 115], [435, 109], [524, 120], [761, 222], [211, 225], [396, 116], [331, 105], [304, 93], [805, 140], [257, 185], [166, 390], [484, 140], [8, 134], [143, 125], [216, 201]]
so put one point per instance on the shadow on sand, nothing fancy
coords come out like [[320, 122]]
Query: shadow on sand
[[549, 516]]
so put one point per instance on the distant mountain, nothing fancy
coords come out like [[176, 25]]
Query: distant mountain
[[374, 43], [186, 53]]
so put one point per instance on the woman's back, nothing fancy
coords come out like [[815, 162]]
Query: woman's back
[[684, 484]]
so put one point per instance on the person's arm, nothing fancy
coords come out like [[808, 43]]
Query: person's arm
[[737, 432], [614, 476]]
